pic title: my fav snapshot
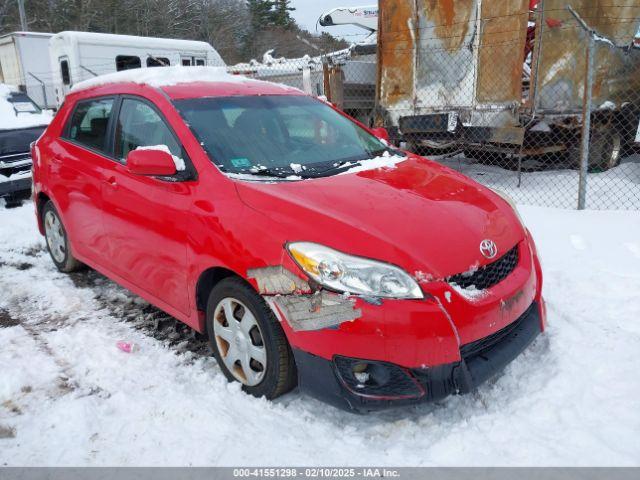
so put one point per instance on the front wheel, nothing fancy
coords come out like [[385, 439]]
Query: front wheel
[[57, 240], [248, 341]]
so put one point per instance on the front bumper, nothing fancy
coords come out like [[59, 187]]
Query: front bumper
[[333, 382]]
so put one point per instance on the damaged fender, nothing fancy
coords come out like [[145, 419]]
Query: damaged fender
[[292, 299]]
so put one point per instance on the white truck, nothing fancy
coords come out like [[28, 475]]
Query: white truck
[[77, 56], [24, 63]]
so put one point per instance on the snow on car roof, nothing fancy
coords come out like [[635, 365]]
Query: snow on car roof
[[10, 119], [169, 76]]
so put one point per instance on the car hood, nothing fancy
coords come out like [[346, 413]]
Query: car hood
[[419, 215]]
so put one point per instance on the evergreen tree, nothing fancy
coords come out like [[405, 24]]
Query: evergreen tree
[[281, 16]]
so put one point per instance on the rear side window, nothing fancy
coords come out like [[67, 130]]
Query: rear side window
[[127, 62], [88, 124], [139, 125]]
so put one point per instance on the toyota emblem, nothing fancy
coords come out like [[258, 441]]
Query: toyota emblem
[[488, 248]]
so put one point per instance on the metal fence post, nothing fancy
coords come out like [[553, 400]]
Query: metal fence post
[[586, 111]]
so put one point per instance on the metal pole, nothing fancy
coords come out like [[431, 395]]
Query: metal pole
[[586, 111], [23, 16], [44, 89]]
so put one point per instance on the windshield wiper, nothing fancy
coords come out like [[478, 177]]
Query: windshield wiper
[[343, 165], [265, 172], [313, 172]]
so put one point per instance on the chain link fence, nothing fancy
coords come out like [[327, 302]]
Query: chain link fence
[[541, 104]]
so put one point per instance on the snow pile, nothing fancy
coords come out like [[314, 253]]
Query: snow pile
[[163, 77], [68, 396], [10, 119], [179, 162]]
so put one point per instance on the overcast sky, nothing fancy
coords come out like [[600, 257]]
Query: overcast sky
[[308, 11]]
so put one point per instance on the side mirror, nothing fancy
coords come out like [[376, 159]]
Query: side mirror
[[381, 133], [151, 162]]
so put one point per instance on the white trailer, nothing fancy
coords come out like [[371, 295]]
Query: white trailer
[[77, 56], [24, 63]]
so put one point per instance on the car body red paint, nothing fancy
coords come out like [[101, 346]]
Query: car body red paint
[[157, 238]]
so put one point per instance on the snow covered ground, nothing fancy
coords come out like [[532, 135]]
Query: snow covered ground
[[617, 188], [68, 396]]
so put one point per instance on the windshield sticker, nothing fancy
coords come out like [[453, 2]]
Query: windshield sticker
[[240, 162]]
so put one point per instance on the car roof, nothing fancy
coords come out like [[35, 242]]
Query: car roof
[[181, 83]]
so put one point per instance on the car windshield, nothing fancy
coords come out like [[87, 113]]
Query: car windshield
[[278, 135]]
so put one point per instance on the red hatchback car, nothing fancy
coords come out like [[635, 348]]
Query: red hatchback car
[[308, 249]]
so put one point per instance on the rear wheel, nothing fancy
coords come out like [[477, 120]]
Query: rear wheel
[[248, 341], [58, 240]]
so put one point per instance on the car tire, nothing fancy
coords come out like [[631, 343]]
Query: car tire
[[250, 347], [57, 240]]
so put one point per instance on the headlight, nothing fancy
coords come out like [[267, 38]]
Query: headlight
[[510, 201], [346, 273]]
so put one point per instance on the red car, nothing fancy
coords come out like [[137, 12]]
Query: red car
[[309, 250]]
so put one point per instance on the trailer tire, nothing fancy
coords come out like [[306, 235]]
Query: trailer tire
[[605, 149]]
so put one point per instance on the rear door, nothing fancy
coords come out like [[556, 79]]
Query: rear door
[[76, 169], [146, 217]]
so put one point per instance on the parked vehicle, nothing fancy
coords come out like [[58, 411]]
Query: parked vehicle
[[77, 56], [306, 248], [24, 63], [457, 77], [21, 122]]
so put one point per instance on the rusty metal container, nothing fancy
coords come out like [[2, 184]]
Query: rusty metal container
[[452, 73]]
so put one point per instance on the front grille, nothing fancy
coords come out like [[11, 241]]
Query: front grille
[[488, 275]]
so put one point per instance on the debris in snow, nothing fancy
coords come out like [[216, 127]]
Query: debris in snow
[[179, 162], [7, 432], [127, 347]]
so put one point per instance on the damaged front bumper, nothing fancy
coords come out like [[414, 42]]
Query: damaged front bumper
[[362, 385]]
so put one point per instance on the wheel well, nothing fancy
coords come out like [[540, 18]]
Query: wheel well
[[208, 279], [41, 201]]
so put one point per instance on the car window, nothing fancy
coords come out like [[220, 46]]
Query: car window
[[88, 124], [139, 125]]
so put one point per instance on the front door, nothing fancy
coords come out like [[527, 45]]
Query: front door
[[146, 218]]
